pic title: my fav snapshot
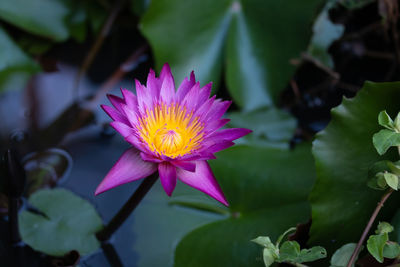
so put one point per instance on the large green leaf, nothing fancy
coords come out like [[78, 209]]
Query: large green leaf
[[341, 201], [41, 17], [252, 39], [267, 189], [273, 124], [15, 65], [325, 32], [67, 223], [159, 225]]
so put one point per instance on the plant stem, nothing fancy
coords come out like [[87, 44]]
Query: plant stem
[[127, 209], [87, 62], [368, 227]]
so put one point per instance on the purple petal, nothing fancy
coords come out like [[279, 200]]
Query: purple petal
[[153, 84], [186, 165], [130, 98], [229, 134], [167, 173], [191, 98], [212, 147], [129, 167], [166, 72], [218, 109], [167, 92], [185, 86], [203, 179], [135, 141], [143, 97], [148, 157], [115, 114], [215, 125], [122, 128], [204, 93], [116, 102], [130, 115], [201, 155]]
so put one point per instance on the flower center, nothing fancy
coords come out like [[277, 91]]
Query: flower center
[[170, 130]]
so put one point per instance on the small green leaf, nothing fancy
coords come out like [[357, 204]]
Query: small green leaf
[[264, 241], [289, 251], [381, 181], [69, 223], [385, 120], [397, 123], [342, 256], [392, 180], [384, 139], [394, 168], [269, 257], [384, 228], [291, 229], [375, 245], [391, 250], [312, 254]]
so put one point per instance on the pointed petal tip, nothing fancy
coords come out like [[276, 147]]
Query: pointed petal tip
[[167, 174], [203, 179]]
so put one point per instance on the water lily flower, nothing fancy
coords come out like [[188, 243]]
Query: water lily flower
[[174, 132]]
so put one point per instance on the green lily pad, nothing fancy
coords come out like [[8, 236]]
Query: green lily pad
[[162, 221], [46, 18], [267, 188], [273, 124], [344, 153], [67, 223], [247, 38]]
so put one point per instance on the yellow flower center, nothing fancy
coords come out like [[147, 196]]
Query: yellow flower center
[[170, 130]]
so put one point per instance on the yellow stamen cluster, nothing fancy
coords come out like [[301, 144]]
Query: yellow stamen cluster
[[171, 130]]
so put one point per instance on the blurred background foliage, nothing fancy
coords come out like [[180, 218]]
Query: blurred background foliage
[[285, 64]]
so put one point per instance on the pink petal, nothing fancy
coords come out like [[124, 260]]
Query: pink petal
[[167, 92], [122, 128], [167, 173], [130, 114], [191, 98], [203, 179], [116, 102], [217, 110], [143, 97], [153, 84], [165, 72], [130, 98], [185, 86], [204, 93], [215, 125], [115, 114], [229, 134], [213, 146], [148, 157], [129, 167], [186, 165]]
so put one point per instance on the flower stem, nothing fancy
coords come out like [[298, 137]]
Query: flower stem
[[368, 227], [127, 209]]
